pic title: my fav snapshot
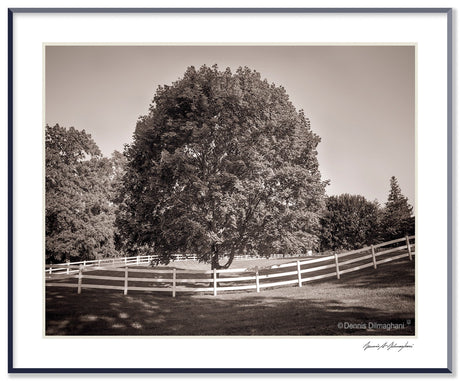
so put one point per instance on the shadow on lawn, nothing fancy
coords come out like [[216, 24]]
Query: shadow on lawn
[[108, 313], [396, 274]]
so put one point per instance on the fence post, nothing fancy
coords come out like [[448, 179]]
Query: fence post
[[51, 269], [99, 263], [68, 268], [337, 266], [125, 291], [125, 260], [80, 276], [174, 283], [215, 281], [137, 260], [257, 279], [84, 263], [408, 247], [373, 256], [299, 275]]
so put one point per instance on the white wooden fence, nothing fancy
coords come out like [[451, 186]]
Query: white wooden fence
[[173, 280], [72, 267]]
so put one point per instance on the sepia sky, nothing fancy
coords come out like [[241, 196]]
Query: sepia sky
[[360, 100]]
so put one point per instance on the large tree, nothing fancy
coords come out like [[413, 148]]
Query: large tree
[[349, 222], [79, 214], [222, 164], [397, 218]]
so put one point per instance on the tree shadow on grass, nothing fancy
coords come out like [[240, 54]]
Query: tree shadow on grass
[[394, 274], [288, 311]]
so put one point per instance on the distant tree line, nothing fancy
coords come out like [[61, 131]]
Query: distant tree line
[[351, 222], [222, 164]]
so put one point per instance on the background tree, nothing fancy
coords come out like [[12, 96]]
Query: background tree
[[79, 214], [118, 163], [221, 164], [349, 222], [397, 220]]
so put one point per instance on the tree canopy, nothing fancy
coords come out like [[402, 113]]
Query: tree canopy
[[221, 164], [78, 211], [349, 222]]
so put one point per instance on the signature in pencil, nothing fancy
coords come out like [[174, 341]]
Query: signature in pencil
[[387, 346]]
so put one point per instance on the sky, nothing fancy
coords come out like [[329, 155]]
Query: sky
[[360, 100]]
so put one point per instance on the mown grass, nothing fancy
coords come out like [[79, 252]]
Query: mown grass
[[385, 295]]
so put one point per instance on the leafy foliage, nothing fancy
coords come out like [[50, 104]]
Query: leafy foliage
[[397, 218], [79, 214], [222, 163], [349, 222]]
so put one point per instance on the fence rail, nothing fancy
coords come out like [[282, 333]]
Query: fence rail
[[174, 280], [72, 267]]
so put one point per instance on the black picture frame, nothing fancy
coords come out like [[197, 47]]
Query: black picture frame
[[179, 370]]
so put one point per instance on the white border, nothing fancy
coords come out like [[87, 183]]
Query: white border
[[428, 31]]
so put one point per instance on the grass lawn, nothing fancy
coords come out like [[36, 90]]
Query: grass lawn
[[385, 295]]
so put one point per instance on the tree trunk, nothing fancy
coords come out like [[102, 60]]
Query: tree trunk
[[215, 261]]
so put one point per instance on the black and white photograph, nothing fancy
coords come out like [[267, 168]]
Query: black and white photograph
[[230, 190]]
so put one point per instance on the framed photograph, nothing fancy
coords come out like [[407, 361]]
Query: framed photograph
[[230, 190]]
